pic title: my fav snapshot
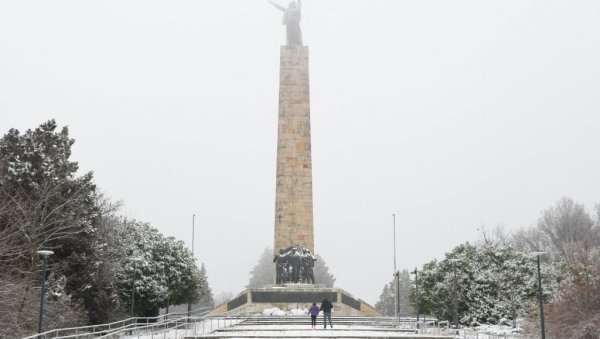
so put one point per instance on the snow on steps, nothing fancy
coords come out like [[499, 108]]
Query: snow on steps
[[299, 327]]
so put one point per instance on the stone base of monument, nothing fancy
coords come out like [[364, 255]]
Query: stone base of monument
[[292, 297]]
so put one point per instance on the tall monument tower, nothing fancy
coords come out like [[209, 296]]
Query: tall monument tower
[[293, 200], [293, 197]]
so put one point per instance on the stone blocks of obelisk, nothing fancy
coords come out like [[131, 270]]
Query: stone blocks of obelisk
[[293, 199]]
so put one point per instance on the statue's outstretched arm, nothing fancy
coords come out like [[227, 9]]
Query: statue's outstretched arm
[[281, 8]]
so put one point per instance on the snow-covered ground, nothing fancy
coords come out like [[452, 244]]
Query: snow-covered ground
[[202, 327], [285, 331], [300, 329], [491, 331], [280, 313]]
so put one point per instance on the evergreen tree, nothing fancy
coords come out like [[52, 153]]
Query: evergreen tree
[[322, 275], [104, 304], [46, 206], [264, 272], [387, 301], [492, 282], [385, 305], [208, 298], [165, 273]]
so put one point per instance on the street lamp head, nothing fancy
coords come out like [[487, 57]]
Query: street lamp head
[[135, 259], [45, 253], [537, 254]]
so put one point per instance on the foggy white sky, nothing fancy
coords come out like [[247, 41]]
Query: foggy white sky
[[451, 114]]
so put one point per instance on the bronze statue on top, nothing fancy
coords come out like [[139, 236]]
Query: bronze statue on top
[[291, 18]]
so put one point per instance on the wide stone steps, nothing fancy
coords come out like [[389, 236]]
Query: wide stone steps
[[300, 327], [351, 321]]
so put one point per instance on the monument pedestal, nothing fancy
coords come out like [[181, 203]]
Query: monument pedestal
[[255, 300]]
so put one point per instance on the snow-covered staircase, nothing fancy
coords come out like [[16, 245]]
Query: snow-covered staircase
[[300, 327]]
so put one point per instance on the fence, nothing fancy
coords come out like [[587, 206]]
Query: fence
[[175, 329], [130, 324]]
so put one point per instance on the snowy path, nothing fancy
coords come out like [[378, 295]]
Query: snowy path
[[284, 328], [291, 328]]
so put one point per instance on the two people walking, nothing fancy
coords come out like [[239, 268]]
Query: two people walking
[[326, 307]]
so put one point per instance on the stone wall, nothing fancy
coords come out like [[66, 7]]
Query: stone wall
[[254, 301]]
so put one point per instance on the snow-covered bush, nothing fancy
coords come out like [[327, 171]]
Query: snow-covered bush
[[165, 273], [274, 312], [298, 311], [492, 282]]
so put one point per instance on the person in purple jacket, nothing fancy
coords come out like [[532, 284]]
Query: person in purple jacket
[[314, 312]]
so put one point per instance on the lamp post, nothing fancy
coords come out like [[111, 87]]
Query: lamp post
[[541, 301], [189, 306], [455, 297], [134, 260], [44, 254], [416, 273], [396, 277]]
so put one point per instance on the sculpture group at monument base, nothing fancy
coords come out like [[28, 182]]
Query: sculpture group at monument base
[[295, 296]]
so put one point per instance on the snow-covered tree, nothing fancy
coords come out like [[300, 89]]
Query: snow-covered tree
[[163, 269], [322, 275], [573, 238], [264, 271], [492, 282], [208, 298], [102, 301], [387, 300], [46, 206]]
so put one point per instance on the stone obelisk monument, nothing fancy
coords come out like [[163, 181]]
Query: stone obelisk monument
[[293, 200], [293, 265]]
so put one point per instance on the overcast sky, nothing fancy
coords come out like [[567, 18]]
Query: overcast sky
[[451, 114]]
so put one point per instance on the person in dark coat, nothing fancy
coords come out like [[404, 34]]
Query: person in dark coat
[[326, 307]]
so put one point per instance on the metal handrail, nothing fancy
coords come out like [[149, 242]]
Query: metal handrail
[[111, 327], [128, 328], [181, 323], [85, 329]]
